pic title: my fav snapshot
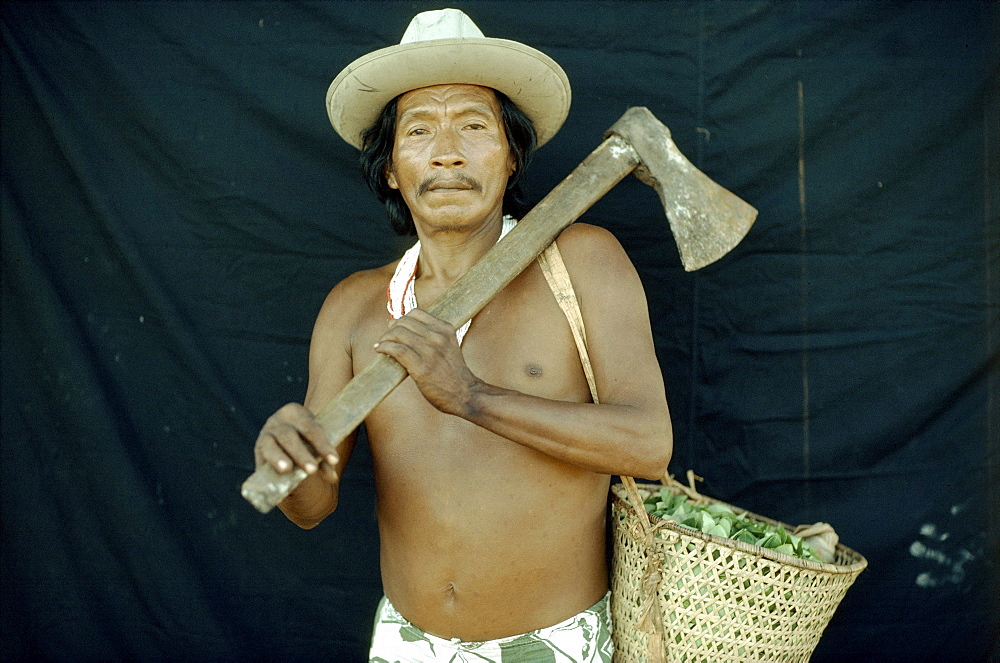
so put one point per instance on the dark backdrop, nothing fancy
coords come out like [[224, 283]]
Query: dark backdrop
[[175, 207]]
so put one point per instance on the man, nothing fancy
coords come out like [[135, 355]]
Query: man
[[491, 459]]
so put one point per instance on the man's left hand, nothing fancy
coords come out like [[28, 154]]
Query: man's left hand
[[427, 348]]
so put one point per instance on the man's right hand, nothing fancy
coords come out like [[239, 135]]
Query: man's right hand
[[292, 437]]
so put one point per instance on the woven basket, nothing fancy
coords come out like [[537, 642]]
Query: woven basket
[[681, 595]]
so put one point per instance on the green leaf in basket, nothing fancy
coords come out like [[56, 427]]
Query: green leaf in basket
[[806, 551], [719, 509], [718, 530], [693, 521], [707, 521], [721, 520]]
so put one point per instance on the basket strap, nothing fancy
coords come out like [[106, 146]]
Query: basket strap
[[559, 282]]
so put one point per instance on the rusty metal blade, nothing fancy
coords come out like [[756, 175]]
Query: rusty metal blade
[[706, 219]]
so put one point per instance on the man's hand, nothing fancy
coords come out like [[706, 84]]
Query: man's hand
[[292, 437], [428, 350]]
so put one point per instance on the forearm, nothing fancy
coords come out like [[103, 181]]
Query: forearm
[[632, 440], [312, 500]]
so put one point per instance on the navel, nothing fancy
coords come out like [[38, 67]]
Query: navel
[[533, 370]]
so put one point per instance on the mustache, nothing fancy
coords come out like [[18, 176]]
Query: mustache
[[464, 179]]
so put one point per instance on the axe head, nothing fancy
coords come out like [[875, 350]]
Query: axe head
[[706, 219]]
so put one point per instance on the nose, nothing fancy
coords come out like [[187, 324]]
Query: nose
[[446, 152]]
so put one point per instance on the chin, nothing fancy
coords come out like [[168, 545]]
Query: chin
[[453, 220]]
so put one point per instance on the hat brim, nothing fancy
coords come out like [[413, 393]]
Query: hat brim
[[531, 79]]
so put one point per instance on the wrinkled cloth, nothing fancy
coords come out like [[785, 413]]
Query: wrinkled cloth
[[583, 638]]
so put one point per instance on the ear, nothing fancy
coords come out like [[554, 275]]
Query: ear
[[511, 165], [390, 178]]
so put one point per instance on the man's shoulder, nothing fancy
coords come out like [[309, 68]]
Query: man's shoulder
[[358, 292], [585, 238], [591, 252], [367, 281]]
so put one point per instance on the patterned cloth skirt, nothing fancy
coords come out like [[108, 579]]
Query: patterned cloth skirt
[[583, 638]]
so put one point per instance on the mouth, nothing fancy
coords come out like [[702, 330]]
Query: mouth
[[448, 186]]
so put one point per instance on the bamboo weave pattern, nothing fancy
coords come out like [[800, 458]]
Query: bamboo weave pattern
[[717, 600]]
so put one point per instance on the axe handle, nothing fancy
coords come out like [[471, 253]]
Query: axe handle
[[595, 176]]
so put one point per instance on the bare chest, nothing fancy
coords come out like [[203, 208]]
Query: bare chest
[[519, 341]]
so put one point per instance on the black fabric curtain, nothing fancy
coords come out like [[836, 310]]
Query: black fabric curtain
[[175, 207]]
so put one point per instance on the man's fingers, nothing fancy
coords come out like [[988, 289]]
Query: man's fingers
[[425, 318], [422, 322], [401, 352], [329, 472], [316, 436], [269, 452], [293, 444], [411, 332], [285, 454], [292, 436], [407, 333], [412, 340]]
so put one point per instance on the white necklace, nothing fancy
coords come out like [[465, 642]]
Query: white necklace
[[400, 295]]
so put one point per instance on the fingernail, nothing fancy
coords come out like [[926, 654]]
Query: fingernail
[[282, 465], [310, 468], [332, 459]]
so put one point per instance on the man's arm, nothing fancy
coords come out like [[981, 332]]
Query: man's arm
[[628, 433], [292, 437]]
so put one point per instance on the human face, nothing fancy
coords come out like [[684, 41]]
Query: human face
[[450, 158]]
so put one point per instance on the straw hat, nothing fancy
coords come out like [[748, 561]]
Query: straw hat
[[445, 46]]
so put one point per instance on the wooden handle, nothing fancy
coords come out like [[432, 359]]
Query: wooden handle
[[595, 176]]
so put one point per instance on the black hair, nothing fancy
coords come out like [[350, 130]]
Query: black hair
[[376, 157]]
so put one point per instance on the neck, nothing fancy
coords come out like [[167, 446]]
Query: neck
[[446, 254]]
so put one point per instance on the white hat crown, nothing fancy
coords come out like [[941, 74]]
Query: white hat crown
[[445, 46], [441, 24]]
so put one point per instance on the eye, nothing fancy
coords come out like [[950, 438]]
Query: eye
[[418, 131], [475, 125]]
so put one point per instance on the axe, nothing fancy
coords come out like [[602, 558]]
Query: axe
[[707, 222]]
